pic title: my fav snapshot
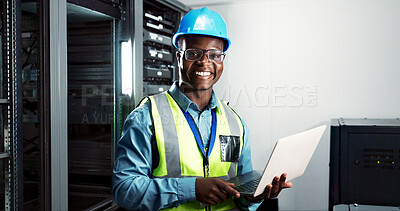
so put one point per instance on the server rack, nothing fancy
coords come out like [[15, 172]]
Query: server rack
[[94, 71], [149, 25], [10, 102], [364, 162], [34, 71], [160, 22], [92, 31]]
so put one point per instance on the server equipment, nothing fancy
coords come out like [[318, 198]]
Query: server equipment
[[97, 107], [364, 162], [160, 21]]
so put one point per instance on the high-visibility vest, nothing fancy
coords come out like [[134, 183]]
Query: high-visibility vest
[[179, 154]]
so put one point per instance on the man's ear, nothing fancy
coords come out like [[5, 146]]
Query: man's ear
[[178, 54], [179, 58]]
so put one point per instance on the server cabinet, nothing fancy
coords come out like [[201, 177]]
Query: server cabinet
[[91, 47], [365, 162], [160, 22], [97, 101]]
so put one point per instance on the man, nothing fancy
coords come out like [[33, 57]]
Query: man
[[178, 147]]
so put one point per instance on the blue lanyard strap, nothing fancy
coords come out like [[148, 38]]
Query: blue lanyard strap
[[197, 135]]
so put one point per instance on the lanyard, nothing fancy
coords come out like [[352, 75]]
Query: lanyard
[[197, 135]]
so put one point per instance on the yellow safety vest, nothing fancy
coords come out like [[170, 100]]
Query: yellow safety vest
[[179, 155]]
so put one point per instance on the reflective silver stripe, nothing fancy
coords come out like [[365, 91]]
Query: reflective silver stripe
[[232, 170], [234, 127], [233, 123], [170, 135]]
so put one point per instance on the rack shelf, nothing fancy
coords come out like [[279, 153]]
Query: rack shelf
[[4, 155], [4, 101]]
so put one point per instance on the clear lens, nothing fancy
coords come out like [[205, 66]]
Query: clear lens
[[215, 55], [193, 54], [212, 54]]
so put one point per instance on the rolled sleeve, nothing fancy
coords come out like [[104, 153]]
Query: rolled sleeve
[[186, 189], [245, 165]]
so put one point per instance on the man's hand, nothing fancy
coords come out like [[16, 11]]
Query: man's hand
[[213, 190], [273, 190]]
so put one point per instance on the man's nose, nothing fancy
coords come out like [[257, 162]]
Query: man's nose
[[204, 58]]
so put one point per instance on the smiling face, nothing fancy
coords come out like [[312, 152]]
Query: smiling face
[[203, 74]]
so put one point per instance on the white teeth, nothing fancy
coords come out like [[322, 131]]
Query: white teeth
[[203, 73]]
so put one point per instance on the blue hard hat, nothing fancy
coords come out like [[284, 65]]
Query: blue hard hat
[[203, 22]]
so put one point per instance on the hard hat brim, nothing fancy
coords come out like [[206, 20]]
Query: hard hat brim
[[175, 38]]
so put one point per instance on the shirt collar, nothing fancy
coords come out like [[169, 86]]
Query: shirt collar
[[184, 102]]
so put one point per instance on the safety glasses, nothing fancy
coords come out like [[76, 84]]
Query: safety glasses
[[213, 55]]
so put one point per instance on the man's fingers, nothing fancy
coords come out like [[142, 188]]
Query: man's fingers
[[213, 190], [275, 186], [283, 178], [287, 185], [214, 199], [281, 183], [234, 192], [267, 191], [211, 202], [228, 188], [220, 193], [278, 183]]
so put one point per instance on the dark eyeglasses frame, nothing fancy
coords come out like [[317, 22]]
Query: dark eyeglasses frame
[[202, 54]]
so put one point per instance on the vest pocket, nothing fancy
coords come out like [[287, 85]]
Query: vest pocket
[[230, 148]]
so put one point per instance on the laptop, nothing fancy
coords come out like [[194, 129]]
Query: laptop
[[291, 155]]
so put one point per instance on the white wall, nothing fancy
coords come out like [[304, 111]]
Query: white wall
[[295, 64]]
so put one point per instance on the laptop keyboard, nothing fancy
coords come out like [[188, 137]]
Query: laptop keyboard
[[248, 186]]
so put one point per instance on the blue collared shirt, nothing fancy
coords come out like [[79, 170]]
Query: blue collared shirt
[[136, 153]]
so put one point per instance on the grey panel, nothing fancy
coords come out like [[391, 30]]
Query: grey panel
[[150, 72], [155, 54], [58, 107], [157, 18], [158, 38], [162, 28]]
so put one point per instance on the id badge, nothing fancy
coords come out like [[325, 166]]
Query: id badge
[[230, 148]]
